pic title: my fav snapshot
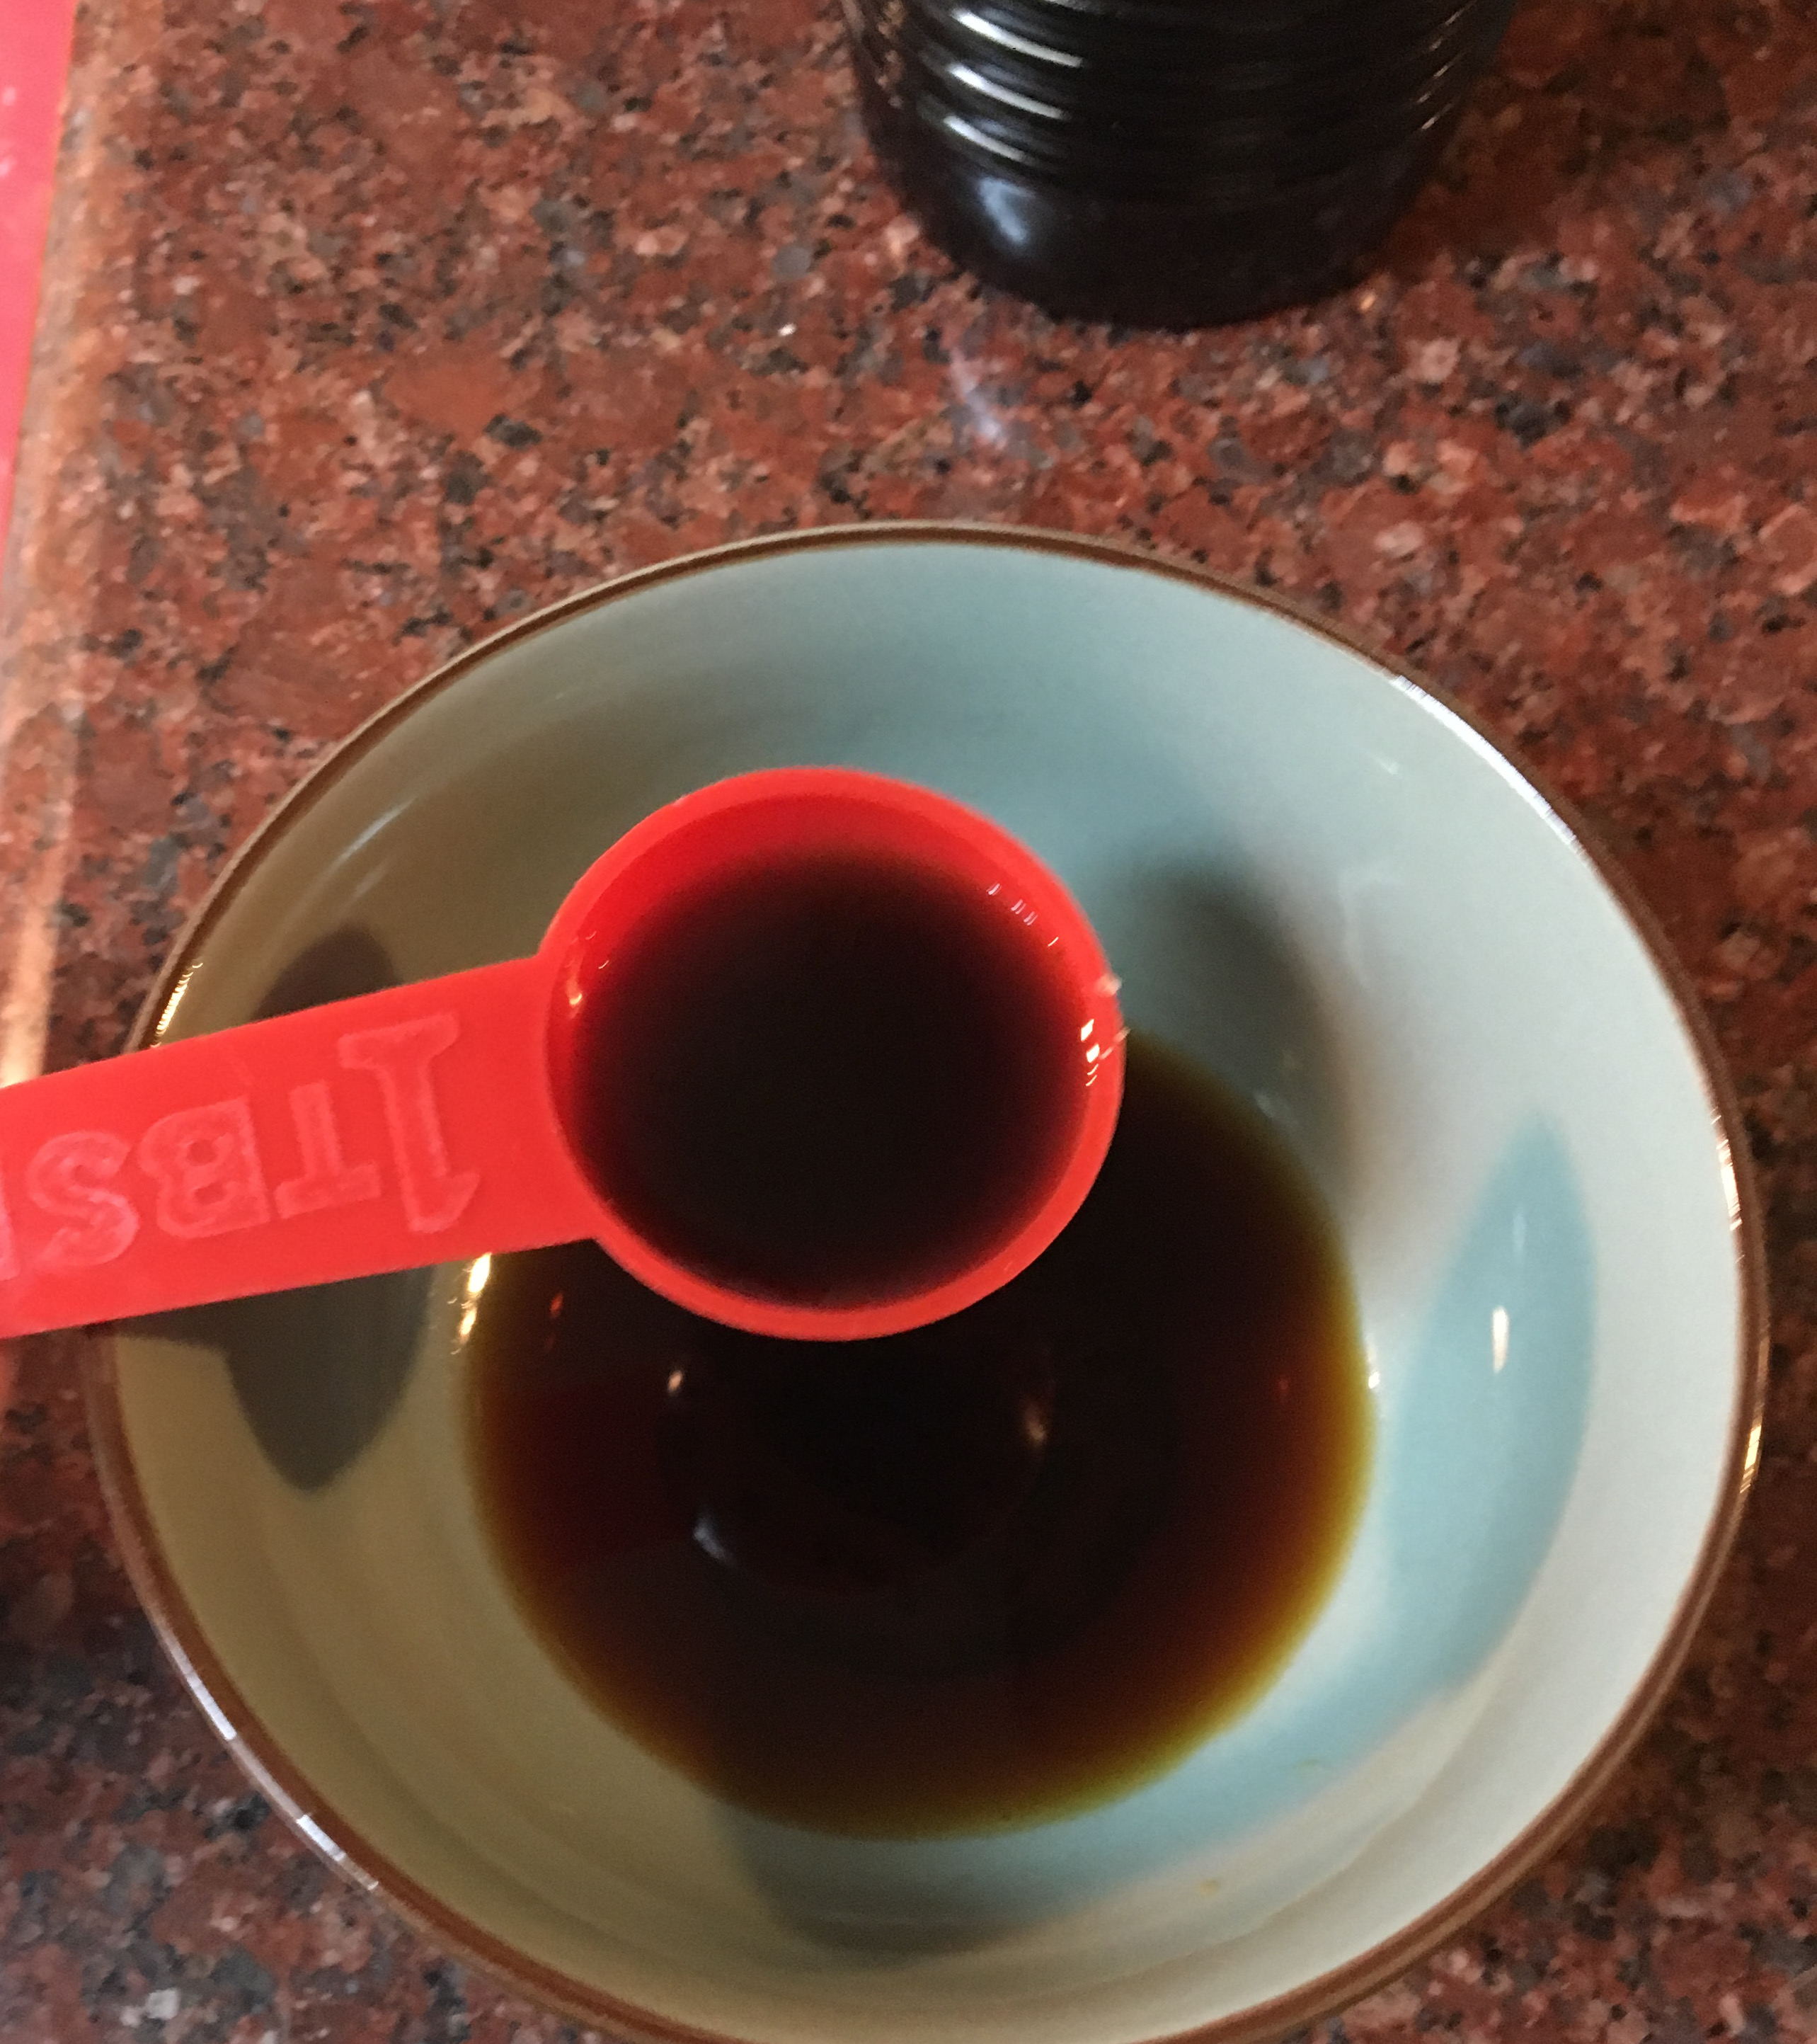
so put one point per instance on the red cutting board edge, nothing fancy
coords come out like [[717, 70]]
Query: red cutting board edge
[[34, 64]]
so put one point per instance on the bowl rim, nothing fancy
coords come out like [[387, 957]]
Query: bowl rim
[[344, 1847]]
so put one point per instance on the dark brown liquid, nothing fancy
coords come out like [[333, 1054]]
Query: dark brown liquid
[[988, 1572], [831, 1080], [1166, 163]]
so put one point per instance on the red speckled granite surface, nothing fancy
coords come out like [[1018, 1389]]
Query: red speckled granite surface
[[371, 324]]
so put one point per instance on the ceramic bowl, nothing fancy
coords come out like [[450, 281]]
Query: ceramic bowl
[[1313, 874]]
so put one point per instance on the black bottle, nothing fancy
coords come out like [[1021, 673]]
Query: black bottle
[[1168, 163]]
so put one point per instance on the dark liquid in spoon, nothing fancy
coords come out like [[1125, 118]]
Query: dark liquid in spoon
[[832, 1079], [983, 1574]]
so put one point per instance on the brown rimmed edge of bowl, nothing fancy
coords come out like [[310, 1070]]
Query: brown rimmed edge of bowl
[[351, 1855]]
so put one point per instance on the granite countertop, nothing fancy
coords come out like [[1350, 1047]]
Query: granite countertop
[[370, 326]]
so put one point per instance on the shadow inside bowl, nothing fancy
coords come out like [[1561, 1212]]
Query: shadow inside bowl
[[1497, 1399], [318, 1371], [1210, 968]]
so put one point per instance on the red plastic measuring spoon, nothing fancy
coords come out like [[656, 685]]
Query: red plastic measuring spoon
[[447, 1120]]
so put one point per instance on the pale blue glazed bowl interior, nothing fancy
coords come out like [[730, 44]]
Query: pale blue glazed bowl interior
[[1317, 879]]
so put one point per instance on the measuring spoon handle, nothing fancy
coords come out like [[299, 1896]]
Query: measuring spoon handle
[[409, 1127]]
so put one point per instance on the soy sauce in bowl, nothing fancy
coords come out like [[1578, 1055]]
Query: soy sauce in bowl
[[983, 1574]]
